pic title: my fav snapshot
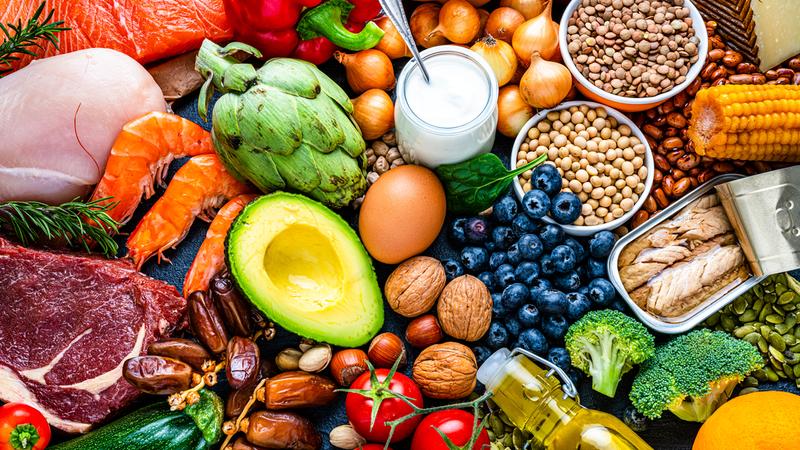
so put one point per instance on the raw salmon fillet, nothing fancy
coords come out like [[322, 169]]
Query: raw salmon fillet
[[146, 30]]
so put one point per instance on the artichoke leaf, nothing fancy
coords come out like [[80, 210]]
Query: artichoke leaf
[[335, 92], [321, 122], [299, 169], [291, 76], [269, 120]]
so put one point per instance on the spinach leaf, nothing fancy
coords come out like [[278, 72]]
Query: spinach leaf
[[473, 185]]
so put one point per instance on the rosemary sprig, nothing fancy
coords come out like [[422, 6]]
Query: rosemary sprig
[[19, 38], [76, 222]]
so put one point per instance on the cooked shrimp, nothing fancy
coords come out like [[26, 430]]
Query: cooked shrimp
[[196, 190], [210, 258], [141, 155]]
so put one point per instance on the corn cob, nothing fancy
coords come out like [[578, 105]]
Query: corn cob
[[747, 122]]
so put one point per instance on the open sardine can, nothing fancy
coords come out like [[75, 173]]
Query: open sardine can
[[763, 221]]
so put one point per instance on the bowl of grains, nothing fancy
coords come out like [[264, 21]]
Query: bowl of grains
[[602, 157], [632, 54]]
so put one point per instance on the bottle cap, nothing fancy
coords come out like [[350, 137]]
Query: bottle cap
[[492, 366]]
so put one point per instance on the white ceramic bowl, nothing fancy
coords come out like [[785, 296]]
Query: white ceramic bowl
[[631, 104], [588, 230]]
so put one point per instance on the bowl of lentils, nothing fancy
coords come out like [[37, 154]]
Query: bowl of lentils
[[632, 54], [601, 156]]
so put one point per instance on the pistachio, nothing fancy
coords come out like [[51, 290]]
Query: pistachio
[[305, 344], [344, 436], [316, 358], [288, 359]]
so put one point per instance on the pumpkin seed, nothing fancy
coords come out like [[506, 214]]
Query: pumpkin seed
[[491, 434], [748, 316], [739, 305], [782, 328], [713, 321], [748, 390], [761, 375], [728, 323], [777, 342], [787, 370], [743, 331], [787, 297], [771, 375], [762, 345], [508, 440], [753, 338], [795, 348], [505, 418], [765, 331], [758, 305], [796, 371], [777, 354], [791, 319], [780, 288], [765, 311], [789, 339], [791, 358], [750, 381], [497, 425], [790, 307], [517, 439], [773, 318]]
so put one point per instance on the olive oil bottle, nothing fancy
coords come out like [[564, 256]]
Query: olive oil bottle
[[537, 402]]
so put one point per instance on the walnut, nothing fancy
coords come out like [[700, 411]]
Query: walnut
[[414, 286], [446, 371], [465, 308]]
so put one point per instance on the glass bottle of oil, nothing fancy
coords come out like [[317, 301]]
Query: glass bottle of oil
[[537, 402]]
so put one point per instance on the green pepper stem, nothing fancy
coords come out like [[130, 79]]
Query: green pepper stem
[[326, 20], [24, 437]]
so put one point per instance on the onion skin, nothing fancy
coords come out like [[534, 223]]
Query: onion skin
[[503, 22], [373, 111], [391, 43], [545, 84], [367, 69], [499, 55], [423, 21], [512, 111], [528, 8], [459, 22], [484, 17], [539, 34]]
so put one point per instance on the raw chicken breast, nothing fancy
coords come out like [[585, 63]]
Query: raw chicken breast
[[59, 117]]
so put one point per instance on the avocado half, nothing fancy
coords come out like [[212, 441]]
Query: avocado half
[[305, 268]]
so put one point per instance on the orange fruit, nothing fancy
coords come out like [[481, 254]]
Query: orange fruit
[[763, 420]]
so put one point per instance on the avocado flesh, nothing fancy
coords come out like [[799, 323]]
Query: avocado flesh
[[305, 268]]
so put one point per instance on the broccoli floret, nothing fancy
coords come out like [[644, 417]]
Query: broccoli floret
[[606, 344], [692, 375]]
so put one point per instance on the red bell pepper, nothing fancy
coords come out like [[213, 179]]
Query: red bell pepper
[[305, 29]]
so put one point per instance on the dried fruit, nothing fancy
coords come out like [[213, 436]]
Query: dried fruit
[[347, 365], [424, 331], [384, 350], [446, 371], [465, 308], [315, 359], [414, 286]]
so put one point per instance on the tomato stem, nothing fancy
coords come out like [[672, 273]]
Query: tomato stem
[[23, 437]]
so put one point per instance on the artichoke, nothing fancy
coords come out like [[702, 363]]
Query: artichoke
[[285, 126]]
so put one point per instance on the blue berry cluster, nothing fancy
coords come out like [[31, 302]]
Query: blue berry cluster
[[541, 280]]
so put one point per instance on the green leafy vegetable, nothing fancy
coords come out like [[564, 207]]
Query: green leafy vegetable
[[473, 185], [18, 37], [75, 222]]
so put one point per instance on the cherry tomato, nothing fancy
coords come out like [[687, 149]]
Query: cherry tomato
[[22, 427], [359, 406], [456, 424]]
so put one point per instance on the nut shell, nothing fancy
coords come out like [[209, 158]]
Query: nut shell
[[424, 331], [288, 359], [465, 308], [384, 350], [446, 371], [316, 358], [414, 286], [347, 365], [344, 436]]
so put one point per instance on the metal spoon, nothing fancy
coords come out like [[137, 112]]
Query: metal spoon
[[394, 10]]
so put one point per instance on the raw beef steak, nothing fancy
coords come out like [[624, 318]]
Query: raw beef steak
[[67, 324]]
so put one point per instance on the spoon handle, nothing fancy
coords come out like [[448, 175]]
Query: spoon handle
[[394, 10]]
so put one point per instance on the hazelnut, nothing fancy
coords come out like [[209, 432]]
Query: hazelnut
[[384, 350], [414, 285], [446, 371], [344, 436], [316, 358], [424, 331], [465, 308], [347, 365], [288, 359]]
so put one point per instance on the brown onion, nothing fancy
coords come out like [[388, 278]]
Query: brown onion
[[459, 22], [499, 55], [539, 34], [503, 22], [484, 17], [528, 8], [545, 83], [367, 69], [391, 43], [423, 21], [374, 113], [512, 111]]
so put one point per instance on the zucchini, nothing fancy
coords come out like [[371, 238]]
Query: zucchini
[[155, 427]]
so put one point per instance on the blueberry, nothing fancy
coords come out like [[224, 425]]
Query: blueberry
[[555, 327], [563, 258], [498, 308], [565, 208], [488, 280], [553, 301], [504, 275], [476, 230], [474, 259], [523, 224], [515, 296], [577, 305], [456, 232], [490, 246], [551, 235], [505, 208], [452, 268], [497, 259], [560, 357], [581, 271], [620, 306], [577, 247], [601, 292], [547, 179], [569, 281], [584, 290], [534, 341], [503, 237], [530, 246], [513, 327], [481, 354], [526, 272], [601, 243], [528, 315], [595, 268], [538, 286], [514, 254], [637, 421], [497, 336], [536, 203], [548, 265]]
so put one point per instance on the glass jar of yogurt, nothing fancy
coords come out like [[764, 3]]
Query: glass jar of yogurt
[[452, 118]]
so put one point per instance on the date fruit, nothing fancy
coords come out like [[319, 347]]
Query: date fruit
[[207, 322], [234, 309], [297, 390], [282, 430], [237, 399], [243, 362], [157, 375], [184, 350]]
